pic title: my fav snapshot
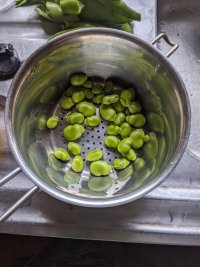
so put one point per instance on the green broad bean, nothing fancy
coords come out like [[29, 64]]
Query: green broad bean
[[108, 87], [136, 120], [139, 164], [42, 122], [120, 118], [97, 89], [54, 162], [127, 94], [75, 118], [118, 107], [70, 90], [124, 145], [111, 141], [130, 155], [73, 132], [138, 138], [134, 107], [78, 79], [125, 129], [61, 154], [74, 148], [125, 102], [88, 84], [66, 103], [100, 184], [86, 108], [78, 96], [113, 130], [72, 177], [127, 112], [52, 122], [150, 149], [95, 155], [88, 93], [92, 121], [110, 99], [99, 168], [98, 99], [155, 122], [107, 112], [77, 164], [121, 163]]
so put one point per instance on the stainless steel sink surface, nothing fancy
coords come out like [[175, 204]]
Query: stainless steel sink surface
[[168, 215]]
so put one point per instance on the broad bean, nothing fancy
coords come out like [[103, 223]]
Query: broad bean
[[86, 108], [67, 103], [88, 84], [77, 164], [121, 163], [70, 90], [128, 94], [134, 107], [118, 107], [88, 93], [98, 99], [100, 168], [74, 148], [113, 130], [108, 87], [42, 122], [78, 96], [120, 118], [124, 145], [73, 132], [110, 99], [150, 149], [130, 155], [61, 154], [100, 184], [52, 122], [138, 138], [94, 155], [155, 122], [125, 129], [107, 112], [136, 120], [75, 118], [92, 121], [78, 79], [111, 141], [97, 89]]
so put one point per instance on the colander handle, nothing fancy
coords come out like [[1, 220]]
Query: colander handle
[[19, 202], [168, 41]]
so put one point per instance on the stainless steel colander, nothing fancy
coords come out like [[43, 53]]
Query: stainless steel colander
[[103, 54]]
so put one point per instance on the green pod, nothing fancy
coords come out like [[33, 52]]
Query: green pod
[[161, 150], [110, 99], [126, 27], [77, 79], [100, 184], [78, 96], [130, 155], [125, 129], [88, 84], [95, 155], [150, 148], [61, 154], [97, 89], [124, 145], [74, 148], [54, 11], [107, 112], [72, 177], [118, 107], [120, 118], [98, 99], [134, 107], [77, 164], [100, 168], [108, 87], [54, 162], [139, 164], [155, 122], [42, 122], [75, 118], [121, 163], [111, 141], [88, 93], [73, 132], [136, 120], [52, 122], [113, 130], [66, 103], [92, 121], [86, 108], [138, 138]]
